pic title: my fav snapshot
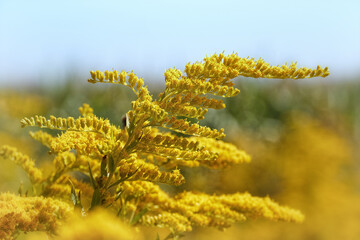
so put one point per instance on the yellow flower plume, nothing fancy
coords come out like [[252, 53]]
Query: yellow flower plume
[[122, 165]]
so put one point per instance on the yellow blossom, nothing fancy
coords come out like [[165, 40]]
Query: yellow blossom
[[85, 143], [227, 153], [86, 110], [97, 225], [30, 214], [43, 137], [221, 68], [137, 169], [24, 161]]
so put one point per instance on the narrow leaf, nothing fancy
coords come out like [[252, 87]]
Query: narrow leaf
[[111, 164], [174, 236], [127, 121], [115, 183], [103, 167], [76, 199], [138, 216], [93, 182], [118, 195], [96, 199], [73, 193], [79, 198], [123, 179]]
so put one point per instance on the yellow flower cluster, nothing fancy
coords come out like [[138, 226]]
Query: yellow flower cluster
[[141, 189], [175, 221], [66, 162], [228, 154], [121, 164], [86, 110], [24, 161], [62, 189], [124, 78], [97, 225], [220, 69], [84, 124], [191, 101], [199, 86], [137, 169], [188, 209], [43, 137], [172, 150], [30, 214], [186, 127], [85, 143]]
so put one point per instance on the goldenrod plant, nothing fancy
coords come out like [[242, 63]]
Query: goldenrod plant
[[122, 166]]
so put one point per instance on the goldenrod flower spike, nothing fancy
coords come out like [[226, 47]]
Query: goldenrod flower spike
[[186, 127], [86, 110], [251, 207], [221, 68], [124, 78], [83, 124], [65, 162], [227, 153], [85, 143], [140, 189], [30, 214], [197, 209], [23, 161], [136, 169], [62, 188], [200, 86], [198, 101], [43, 137], [177, 223], [174, 148]]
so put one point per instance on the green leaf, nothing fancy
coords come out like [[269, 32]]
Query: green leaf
[[111, 164], [75, 198], [127, 121], [138, 216], [118, 195], [103, 167], [115, 183], [96, 199], [174, 236], [122, 179], [79, 198], [157, 236], [93, 182], [131, 145], [73, 193]]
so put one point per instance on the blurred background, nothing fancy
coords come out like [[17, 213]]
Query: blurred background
[[303, 135]]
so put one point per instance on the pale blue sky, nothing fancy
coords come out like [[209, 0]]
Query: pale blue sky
[[44, 40]]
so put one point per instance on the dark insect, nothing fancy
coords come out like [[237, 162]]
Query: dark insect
[[124, 121]]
